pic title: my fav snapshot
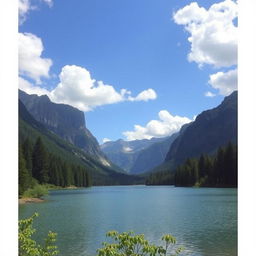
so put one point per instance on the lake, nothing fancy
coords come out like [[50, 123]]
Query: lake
[[203, 220]]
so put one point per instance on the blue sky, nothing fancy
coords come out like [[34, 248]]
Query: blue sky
[[133, 45]]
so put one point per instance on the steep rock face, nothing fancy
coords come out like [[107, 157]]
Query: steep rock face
[[31, 129], [65, 121], [139, 155], [211, 129]]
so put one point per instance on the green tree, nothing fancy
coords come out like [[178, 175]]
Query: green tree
[[202, 166], [54, 172], [68, 175], [27, 148], [88, 179], [219, 167], [40, 160], [24, 176], [230, 165]]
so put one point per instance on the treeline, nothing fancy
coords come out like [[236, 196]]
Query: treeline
[[219, 170], [160, 178], [36, 165]]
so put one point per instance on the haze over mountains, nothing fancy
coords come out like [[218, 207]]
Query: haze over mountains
[[138, 156]]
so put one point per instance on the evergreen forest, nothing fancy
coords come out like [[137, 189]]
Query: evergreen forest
[[37, 165], [218, 170]]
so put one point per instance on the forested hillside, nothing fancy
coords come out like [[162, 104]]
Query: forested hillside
[[218, 170], [211, 129], [61, 158]]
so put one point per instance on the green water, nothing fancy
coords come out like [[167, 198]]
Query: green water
[[203, 220]]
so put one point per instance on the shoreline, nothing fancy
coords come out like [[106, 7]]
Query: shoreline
[[29, 200]]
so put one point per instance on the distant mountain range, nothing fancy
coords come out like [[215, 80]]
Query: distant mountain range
[[138, 156], [100, 168], [63, 130]]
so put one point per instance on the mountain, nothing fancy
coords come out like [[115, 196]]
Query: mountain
[[211, 129], [137, 156], [152, 156], [65, 121], [31, 129]]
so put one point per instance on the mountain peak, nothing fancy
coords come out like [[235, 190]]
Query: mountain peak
[[64, 120], [211, 129]]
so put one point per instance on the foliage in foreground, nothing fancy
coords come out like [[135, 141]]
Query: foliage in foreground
[[128, 244], [28, 246]]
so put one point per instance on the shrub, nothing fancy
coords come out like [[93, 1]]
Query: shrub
[[37, 191], [28, 246], [127, 244]]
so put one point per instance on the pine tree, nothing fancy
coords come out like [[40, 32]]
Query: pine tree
[[54, 172], [230, 165], [27, 148], [40, 169], [24, 177], [219, 168], [67, 175], [208, 178], [61, 176], [88, 179], [202, 166]]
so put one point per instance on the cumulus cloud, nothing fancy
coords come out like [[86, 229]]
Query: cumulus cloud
[[225, 82], [145, 95], [213, 35], [31, 63], [25, 6], [209, 94], [165, 126], [78, 89]]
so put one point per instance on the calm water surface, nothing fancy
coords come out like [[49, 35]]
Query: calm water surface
[[203, 220]]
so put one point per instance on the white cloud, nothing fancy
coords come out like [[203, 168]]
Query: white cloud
[[106, 140], [213, 35], [165, 126], [209, 94], [25, 6], [226, 82], [31, 63], [145, 95], [49, 2], [78, 89], [29, 88]]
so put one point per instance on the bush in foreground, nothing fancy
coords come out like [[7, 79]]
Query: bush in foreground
[[128, 244], [28, 246]]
